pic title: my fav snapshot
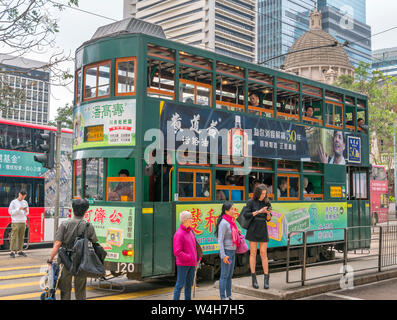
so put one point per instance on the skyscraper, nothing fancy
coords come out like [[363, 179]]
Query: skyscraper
[[280, 24], [28, 76], [227, 27], [346, 21], [385, 60]]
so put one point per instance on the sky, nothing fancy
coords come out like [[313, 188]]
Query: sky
[[77, 27]]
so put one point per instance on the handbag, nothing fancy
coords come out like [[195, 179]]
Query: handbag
[[243, 248], [199, 251], [242, 219]]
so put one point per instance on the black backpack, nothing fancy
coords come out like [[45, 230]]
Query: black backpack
[[84, 258]]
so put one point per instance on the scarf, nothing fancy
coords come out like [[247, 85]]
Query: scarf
[[233, 226]]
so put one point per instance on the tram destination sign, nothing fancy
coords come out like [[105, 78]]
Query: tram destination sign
[[104, 124]]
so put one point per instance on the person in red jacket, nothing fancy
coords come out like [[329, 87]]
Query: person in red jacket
[[186, 255]]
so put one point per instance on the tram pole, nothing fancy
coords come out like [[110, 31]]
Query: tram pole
[[57, 175]]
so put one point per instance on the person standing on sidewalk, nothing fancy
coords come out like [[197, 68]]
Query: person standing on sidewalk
[[18, 210], [186, 255], [259, 210], [66, 234], [227, 235]]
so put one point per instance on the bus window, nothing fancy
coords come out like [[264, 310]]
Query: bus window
[[288, 187], [125, 76], [160, 79], [194, 184], [229, 186], [312, 188], [97, 81], [94, 178]]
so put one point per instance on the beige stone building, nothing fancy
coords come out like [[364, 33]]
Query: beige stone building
[[322, 64]]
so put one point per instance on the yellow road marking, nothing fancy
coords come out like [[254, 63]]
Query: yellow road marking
[[19, 285], [21, 268], [134, 295], [20, 276], [30, 295]]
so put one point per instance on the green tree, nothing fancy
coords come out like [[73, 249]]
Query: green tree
[[28, 26], [65, 115], [382, 104]]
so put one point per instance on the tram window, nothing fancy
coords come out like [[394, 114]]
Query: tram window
[[260, 100], [287, 105], [230, 93], [195, 86], [194, 184], [125, 76], [288, 187], [361, 124], [257, 178], [350, 118], [161, 79], [312, 188], [334, 114], [232, 186], [94, 178], [97, 80], [120, 189], [77, 179], [312, 110], [359, 185], [78, 87]]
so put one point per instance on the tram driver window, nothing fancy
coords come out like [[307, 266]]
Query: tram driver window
[[97, 80]]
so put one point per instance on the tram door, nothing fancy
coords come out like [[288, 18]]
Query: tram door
[[358, 207]]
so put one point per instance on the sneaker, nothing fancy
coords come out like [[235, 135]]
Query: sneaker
[[230, 298], [22, 254], [12, 255]]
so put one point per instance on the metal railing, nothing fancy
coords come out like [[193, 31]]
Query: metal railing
[[374, 250]]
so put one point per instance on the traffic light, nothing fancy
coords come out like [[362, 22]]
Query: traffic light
[[48, 148]]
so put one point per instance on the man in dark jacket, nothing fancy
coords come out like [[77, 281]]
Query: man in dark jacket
[[67, 232]]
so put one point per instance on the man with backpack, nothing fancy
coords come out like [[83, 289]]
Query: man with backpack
[[65, 237]]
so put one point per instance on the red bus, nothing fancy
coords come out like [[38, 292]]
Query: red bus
[[379, 195], [19, 143]]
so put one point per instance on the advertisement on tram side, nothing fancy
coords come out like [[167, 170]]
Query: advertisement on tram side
[[104, 124], [328, 219]]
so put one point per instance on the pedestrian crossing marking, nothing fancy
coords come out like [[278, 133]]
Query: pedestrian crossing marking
[[20, 276], [21, 268], [31, 295], [134, 295], [19, 285]]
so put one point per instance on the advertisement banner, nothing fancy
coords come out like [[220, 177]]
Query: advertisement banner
[[18, 163], [104, 124], [287, 218], [195, 128], [114, 228]]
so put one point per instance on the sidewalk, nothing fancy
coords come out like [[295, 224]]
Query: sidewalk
[[281, 290], [34, 257]]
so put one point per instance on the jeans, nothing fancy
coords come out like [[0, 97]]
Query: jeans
[[185, 278], [225, 280]]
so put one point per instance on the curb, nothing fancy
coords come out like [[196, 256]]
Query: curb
[[273, 294]]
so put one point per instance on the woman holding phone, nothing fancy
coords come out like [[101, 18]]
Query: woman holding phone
[[258, 210], [228, 239]]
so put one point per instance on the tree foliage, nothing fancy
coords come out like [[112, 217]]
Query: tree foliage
[[65, 115], [29, 26], [382, 103]]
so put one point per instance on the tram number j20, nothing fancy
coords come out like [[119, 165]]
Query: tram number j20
[[125, 267]]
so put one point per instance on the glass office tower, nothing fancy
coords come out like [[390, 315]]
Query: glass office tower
[[280, 24], [354, 7]]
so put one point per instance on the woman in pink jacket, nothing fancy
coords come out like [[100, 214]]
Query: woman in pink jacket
[[186, 255]]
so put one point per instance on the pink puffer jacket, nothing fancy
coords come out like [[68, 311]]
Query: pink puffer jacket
[[185, 247]]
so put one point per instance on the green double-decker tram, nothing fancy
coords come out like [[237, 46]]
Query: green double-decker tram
[[161, 127]]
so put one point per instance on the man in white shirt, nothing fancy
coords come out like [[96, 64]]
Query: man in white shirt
[[18, 211]]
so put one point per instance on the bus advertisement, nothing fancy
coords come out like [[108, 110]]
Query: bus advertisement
[[379, 195], [19, 143]]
